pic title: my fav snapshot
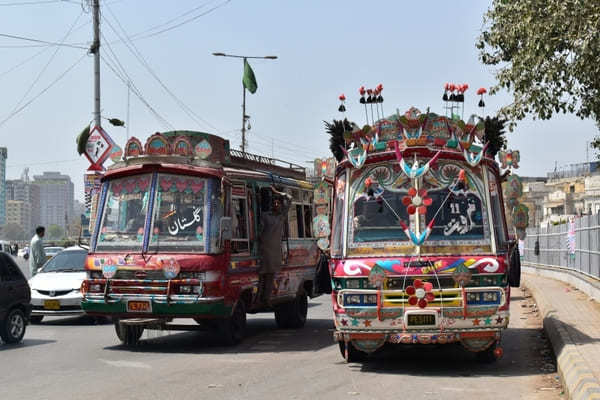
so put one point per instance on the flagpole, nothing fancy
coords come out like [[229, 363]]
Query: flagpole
[[245, 59]]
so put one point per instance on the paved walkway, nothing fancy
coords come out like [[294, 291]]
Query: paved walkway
[[572, 322]]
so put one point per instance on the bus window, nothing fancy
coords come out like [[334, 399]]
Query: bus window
[[239, 214], [300, 220], [307, 221]]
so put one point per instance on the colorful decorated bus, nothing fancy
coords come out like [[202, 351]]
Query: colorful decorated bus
[[420, 251], [177, 236]]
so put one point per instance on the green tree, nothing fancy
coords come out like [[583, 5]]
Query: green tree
[[545, 54], [54, 232]]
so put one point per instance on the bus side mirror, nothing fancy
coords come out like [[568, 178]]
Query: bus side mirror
[[225, 229]]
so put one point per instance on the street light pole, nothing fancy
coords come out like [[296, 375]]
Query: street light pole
[[244, 58]]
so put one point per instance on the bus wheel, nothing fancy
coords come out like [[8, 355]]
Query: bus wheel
[[129, 335], [292, 315], [354, 355], [233, 329], [489, 355]]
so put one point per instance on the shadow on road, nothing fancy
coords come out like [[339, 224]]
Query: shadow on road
[[522, 357], [25, 343], [262, 334], [73, 321]]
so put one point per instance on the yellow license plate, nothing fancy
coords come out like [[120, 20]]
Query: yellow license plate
[[51, 304], [139, 306]]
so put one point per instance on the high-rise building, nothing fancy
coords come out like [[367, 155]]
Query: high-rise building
[[19, 212], [3, 156], [22, 190], [56, 198]]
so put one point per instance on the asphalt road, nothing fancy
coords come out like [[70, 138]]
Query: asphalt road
[[72, 358]]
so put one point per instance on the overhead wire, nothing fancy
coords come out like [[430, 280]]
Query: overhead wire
[[122, 74], [43, 42], [39, 75], [55, 81], [35, 2], [138, 94], [138, 55], [141, 35], [25, 61]]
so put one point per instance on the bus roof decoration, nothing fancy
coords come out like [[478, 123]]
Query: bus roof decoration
[[133, 148], [182, 146]]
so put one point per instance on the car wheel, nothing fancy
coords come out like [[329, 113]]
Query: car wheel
[[12, 329], [233, 329], [36, 319], [292, 315]]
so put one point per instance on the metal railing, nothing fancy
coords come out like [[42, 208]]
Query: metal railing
[[554, 250]]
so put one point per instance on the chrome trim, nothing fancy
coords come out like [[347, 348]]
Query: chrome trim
[[160, 299]]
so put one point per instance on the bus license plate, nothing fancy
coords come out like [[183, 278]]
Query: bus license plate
[[421, 319], [51, 305], [139, 306]]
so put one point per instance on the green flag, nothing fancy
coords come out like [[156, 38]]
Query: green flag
[[249, 80]]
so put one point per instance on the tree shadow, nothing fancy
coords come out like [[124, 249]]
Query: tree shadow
[[25, 343]]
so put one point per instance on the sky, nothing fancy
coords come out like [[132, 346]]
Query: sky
[[324, 48]]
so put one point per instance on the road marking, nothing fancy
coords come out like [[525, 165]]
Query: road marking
[[125, 364]]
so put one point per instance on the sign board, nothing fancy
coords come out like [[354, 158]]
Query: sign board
[[98, 148]]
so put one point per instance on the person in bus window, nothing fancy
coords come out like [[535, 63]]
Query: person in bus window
[[272, 222]]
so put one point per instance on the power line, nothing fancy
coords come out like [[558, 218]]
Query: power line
[[32, 3], [138, 94], [75, 46], [23, 62], [127, 80], [39, 75], [43, 163], [141, 36], [137, 54], [172, 19], [17, 111]]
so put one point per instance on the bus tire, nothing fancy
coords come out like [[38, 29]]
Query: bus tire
[[514, 272], [354, 355], [129, 335], [233, 328], [487, 356], [292, 315]]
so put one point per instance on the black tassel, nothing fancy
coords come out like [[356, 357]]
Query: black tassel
[[481, 103], [362, 100], [380, 99], [445, 96], [342, 108], [369, 100], [460, 98]]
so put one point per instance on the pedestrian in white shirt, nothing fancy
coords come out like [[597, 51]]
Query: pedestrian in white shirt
[[37, 255]]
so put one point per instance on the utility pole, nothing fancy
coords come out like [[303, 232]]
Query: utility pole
[[95, 49]]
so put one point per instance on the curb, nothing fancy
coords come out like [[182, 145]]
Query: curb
[[578, 379]]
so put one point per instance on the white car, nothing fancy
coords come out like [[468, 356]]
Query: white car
[[55, 289]]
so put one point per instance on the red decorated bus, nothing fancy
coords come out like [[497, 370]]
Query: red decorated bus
[[176, 236]]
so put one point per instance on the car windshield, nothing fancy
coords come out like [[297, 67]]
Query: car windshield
[[179, 214], [458, 209], [66, 261], [125, 209], [53, 250]]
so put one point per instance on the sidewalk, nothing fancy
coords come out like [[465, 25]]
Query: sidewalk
[[572, 323]]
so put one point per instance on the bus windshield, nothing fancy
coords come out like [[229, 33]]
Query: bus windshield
[[379, 211], [177, 204], [178, 220], [125, 208]]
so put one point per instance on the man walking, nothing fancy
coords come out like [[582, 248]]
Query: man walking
[[272, 221], [37, 255]]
